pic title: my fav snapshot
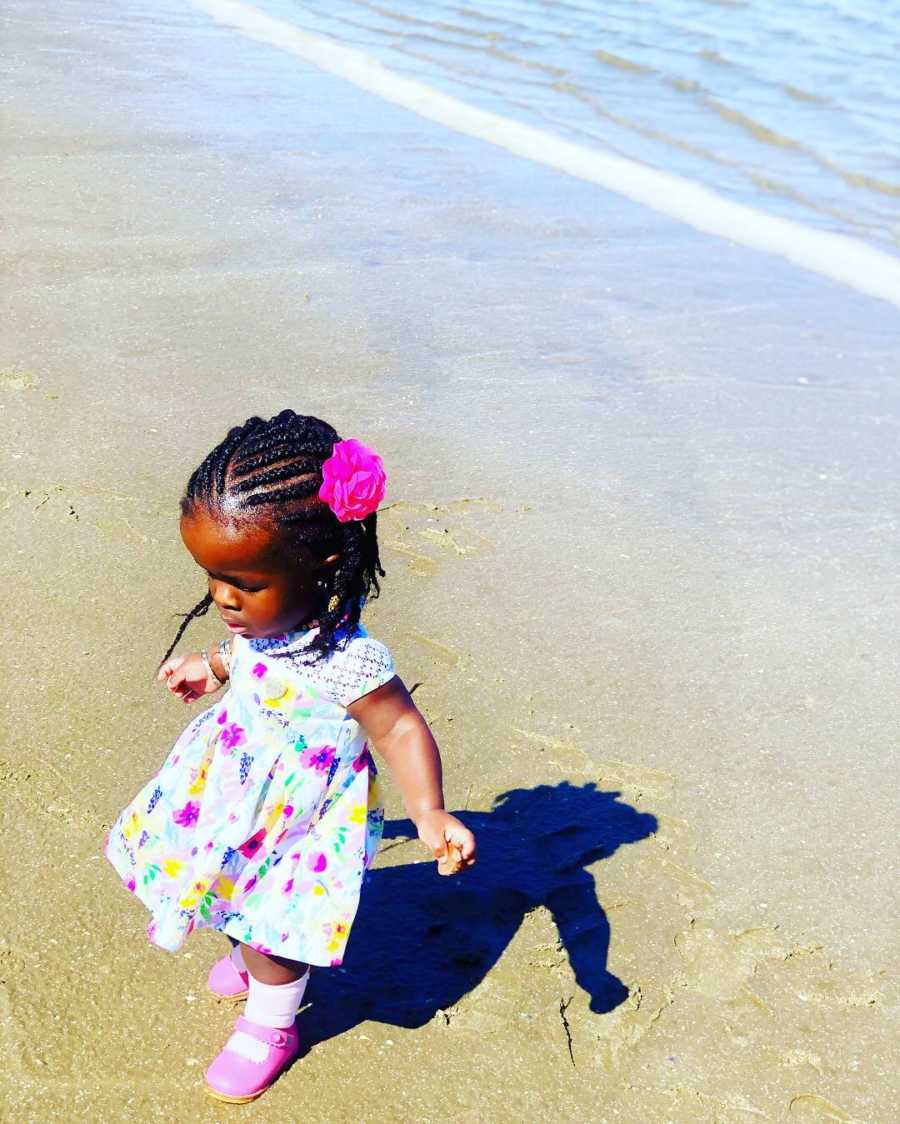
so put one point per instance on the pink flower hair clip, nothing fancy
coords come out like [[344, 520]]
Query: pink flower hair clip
[[353, 481]]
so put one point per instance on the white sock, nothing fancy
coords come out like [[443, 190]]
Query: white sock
[[237, 959], [275, 1005]]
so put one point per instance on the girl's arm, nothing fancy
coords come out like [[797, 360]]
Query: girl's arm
[[187, 676], [401, 735]]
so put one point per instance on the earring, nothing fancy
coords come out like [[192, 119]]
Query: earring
[[335, 602]]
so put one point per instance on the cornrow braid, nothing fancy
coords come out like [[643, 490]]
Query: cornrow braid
[[273, 470], [198, 610]]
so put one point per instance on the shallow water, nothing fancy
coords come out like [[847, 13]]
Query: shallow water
[[789, 108]]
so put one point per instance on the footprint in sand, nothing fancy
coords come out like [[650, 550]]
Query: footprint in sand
[[18, 380], [425, 535], [810, 1106]]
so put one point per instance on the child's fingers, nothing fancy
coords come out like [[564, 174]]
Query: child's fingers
[[169, 667], [459, 852], [449, 863], [453, 845], [464, 842], [177, 681], [183, 690]]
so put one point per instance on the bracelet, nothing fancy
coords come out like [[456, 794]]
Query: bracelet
[[225, 656], [204, 655]]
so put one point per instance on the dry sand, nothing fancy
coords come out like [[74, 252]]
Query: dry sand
[[626, 462]]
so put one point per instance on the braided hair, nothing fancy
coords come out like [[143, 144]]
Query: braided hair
[[273, 470]]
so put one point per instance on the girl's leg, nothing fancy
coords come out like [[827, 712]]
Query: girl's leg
[[276, 988], [272, 969], [265, 1039], [228, 977]]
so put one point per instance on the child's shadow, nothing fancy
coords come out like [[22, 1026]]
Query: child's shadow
[[420, 942]]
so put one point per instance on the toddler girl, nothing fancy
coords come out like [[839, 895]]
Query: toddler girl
[[265, 815]]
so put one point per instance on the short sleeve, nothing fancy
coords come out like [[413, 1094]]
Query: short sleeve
[[360, 668]]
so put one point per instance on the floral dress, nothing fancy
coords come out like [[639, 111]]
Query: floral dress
[[265, 815]]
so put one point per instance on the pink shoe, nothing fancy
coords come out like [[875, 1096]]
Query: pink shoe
[[226, 981], [253, 1058]]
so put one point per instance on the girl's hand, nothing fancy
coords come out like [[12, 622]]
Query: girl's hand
[[401, 735], [451, 842], [186, 677]]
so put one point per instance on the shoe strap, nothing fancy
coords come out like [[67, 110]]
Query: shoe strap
[[273, 1036]]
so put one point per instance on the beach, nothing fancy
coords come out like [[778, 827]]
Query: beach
[[641, 545]]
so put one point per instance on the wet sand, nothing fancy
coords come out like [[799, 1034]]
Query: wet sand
[[642, 553]]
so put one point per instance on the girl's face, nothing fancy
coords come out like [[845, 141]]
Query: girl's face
[[257, 590]]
